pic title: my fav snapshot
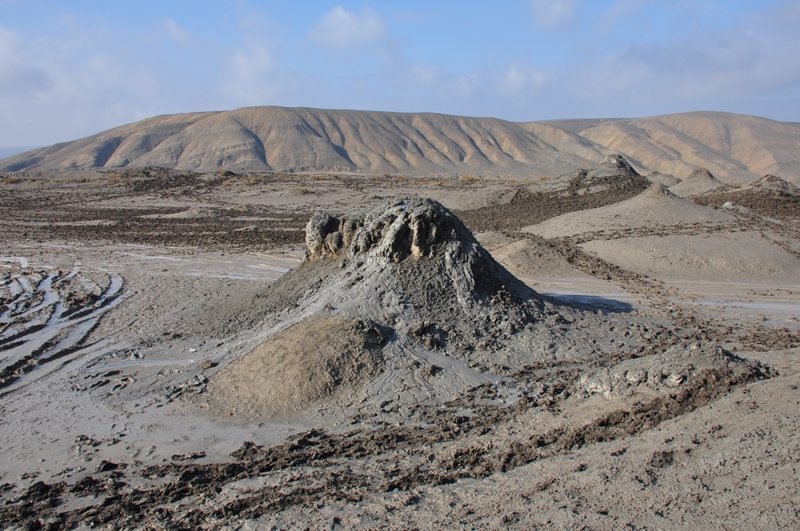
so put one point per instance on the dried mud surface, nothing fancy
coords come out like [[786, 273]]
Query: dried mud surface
[[86, 212], [126, 297], [321, 467]]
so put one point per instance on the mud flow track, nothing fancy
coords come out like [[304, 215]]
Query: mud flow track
[[46, 317]]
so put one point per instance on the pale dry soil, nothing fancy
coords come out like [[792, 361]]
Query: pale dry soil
[[122, 297]]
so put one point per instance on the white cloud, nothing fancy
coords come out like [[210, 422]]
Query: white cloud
[[698, 69], [252, 77], [618, 11], [18, 75], [247, 72], [464, 86], [341, 28], [424, 75], [518, 80], [553, 14], [176, 32], [59, 87]]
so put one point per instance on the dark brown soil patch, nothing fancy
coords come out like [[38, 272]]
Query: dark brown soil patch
[[773, 204]]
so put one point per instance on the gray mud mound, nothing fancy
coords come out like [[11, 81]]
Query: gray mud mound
[[614, 165], [413, 266], [613, 172], [657, 192], [699, 182], [318, 358], [399, 307], [452, 316], [657, 208]]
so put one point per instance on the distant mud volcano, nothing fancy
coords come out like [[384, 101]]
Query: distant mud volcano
[[699, 182], [614, 180], [399, 303], [770, 196], [655, 208]]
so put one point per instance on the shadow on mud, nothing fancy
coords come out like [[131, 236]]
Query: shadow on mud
[[591, 302]]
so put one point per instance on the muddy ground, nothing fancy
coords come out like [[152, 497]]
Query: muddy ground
[[122, 292]]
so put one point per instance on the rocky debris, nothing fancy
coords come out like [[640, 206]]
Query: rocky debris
[[207, 364], [429, 335], [762, 338], [193, 386], [775, 184], [109, 466], [676, 367], [30, 215], [188, 456]]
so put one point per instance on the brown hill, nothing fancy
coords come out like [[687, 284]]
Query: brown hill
[[301, 139], [566, 141], [736, 148]]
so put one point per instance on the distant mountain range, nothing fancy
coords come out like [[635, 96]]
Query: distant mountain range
[[735, 148]]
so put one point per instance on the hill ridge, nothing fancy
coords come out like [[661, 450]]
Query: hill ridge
[[736, 148]]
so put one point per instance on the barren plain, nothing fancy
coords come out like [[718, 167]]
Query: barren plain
[[187, 350]]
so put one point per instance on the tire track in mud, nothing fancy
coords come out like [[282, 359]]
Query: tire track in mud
[[46, 324]]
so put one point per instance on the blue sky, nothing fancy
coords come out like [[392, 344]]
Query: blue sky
[[69, 69]]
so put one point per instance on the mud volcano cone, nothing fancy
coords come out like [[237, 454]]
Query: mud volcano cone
[[700, 181], [419, 249], [397, 303], [614, 171]]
